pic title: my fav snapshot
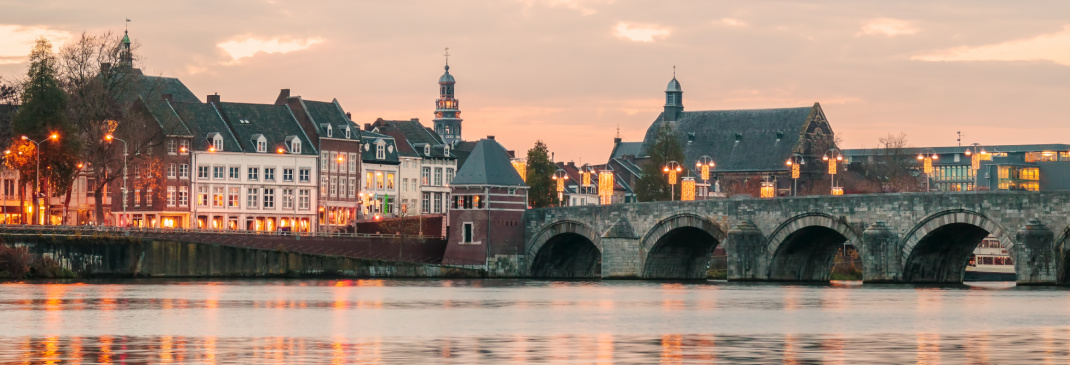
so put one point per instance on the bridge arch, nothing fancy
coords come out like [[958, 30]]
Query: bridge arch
[[938, 248], [565, 249], [804, 247], [679, 247]]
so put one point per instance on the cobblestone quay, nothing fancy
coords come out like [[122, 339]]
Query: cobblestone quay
[[902, 238]]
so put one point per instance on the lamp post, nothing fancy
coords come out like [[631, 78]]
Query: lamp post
[[37, 182], [672, 168], [833, 156], [560, 176], [795, 162], [704, 164], [109, 138], [927, 156], [5, 214], [977, 154]]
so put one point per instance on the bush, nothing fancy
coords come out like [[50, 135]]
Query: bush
[[16, 261]]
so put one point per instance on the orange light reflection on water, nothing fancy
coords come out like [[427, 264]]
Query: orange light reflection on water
[[670, 349]]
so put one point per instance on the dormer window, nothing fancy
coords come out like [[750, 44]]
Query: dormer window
[[427, 150], [260, 142], [294, 144], [348, 133], [330, 130], [446, 150], [215, 141], [380, 151]]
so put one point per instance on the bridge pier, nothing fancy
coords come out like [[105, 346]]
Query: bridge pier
[[881, 262], [746, 253], [1035, 261], [620, 258]]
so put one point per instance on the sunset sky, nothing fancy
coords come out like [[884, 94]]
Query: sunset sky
[[569, 72]]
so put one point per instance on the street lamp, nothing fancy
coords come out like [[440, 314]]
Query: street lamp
[[560, 176], [795, 161], [927, 157], [704, 164], [672, 168], [833, 155], [977, 154], [109, 137], [605, 185], [37, 183]]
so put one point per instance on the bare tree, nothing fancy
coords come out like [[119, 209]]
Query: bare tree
[[892, 169]]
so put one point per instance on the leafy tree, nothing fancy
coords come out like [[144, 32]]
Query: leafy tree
[[653, 184], [540, 171], [42, 114]]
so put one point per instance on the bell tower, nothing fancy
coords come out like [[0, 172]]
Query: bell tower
[[447, 108], [674, 104]]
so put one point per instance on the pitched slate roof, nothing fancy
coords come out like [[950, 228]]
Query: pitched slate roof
[[626, 148], [739, 140], [154, 87], [274, 122], [203, 119], [368, 148], [462, 149], [412, 136], [1009, 148], [331, 113], [166, 117], [489, 164]]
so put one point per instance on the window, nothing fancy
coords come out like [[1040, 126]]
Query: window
[[137, 197], [269, 198], [137, 171], [217, 196], [202, 196], [305, 175], [352, 187], [438, 203], [438, 176], [325, 160], [287, 174], [234, 172], [217, 143], [304, 199], [342, 187], [378, 180], [413, 184], [172, 171], [233, 197], [287, 198], [368, 181], [390, 181], [183, 196], [252, 198], [269, 174], [172, 147], [427, 203], [170, 196], [323, 185], [183, 146], [295, 146], [348, 134], [353, 163], [261, 145], [427, 150], [202, 172], [148, 198], [183, 171], [426, 175], [217, 172], [254, 173], [467, 233], [404, 184], [341, 163], [334, 186], [449, 175], [380, 151]]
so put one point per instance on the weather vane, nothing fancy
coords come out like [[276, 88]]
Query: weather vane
[[674, 71], [447, 56], [128, 24]]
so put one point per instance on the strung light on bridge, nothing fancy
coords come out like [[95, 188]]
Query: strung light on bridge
[[560, 184], [586, 178], [928, 167], [605, 187], [768, 189], [832, 166], [795, 173], [687, 189]]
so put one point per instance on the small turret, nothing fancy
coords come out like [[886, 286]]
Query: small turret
[[674, 104]]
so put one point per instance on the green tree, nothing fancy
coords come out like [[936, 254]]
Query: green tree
[[540, 170], [653, 184], [43, 114]]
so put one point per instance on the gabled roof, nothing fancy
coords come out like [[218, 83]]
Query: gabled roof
[[166, 117], [462, 149], [411, 136], [740, 140], [203, 119], [155, 87], [274, 122], [331, 113], [489, 164], [368, 148], [626, 148]]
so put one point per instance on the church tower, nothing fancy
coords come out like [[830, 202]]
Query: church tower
[[674, 104], [126, 57], [447, 109]]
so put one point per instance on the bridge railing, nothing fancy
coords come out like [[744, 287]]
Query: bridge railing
[[129, 231]]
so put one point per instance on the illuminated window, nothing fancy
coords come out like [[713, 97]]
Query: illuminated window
[[217, 196], [202, 196], [233, 197], [170, 196], [390, 181]]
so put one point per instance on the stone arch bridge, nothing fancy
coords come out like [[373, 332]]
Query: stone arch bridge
[[901, 238]]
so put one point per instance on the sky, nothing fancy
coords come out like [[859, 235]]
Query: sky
[[571, 72]]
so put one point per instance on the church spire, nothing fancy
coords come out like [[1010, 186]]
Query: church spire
[[126, 57], [447, 108], [674, 103]]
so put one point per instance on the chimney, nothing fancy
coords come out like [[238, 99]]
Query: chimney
[[349, 115], [168, 97], [572, 164], [214, 98], [283, 95], [367, 126], [616, 141], [490, 137]]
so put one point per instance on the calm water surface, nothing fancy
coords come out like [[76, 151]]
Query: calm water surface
[[518, 321]]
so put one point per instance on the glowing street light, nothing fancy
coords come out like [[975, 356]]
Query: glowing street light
[[704, 164], [605, 186], [795, 162], [37, 182], [926, 157], [560, 176], [672, 168], [833, 155], [687, 189], [977, 154], [109, 138]]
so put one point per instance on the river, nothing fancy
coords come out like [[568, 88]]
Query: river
[[527, 321]]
